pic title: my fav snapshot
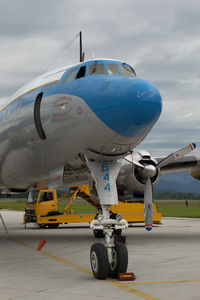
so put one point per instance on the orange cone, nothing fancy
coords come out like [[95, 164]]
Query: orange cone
[[41, 244]]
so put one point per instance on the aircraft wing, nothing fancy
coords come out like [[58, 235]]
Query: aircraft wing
[[189, 164]]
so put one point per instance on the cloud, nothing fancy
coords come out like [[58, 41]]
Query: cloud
[[160, 39]]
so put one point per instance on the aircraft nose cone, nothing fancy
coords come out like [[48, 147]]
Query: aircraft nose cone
[[138, 106]]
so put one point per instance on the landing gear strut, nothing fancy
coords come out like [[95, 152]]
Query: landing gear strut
[[111, 258]]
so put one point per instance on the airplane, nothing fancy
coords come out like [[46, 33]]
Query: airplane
[[76, 125]]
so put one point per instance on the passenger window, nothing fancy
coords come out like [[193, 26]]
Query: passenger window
[[5, 115], [81, 72], [1, 116], [19, 103], [127, 70], [113, 69], [13, 107], [71, 75], [97, 69]]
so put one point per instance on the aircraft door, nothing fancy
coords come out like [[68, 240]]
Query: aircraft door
[[37, 117]]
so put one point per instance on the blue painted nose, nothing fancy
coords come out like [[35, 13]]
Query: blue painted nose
[[132, 108]]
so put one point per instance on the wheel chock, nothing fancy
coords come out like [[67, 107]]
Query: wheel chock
[[41, 244], [126, 276]]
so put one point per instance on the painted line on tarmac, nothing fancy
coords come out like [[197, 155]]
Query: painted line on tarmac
[[113, 282], [120, 285], [162, 282], [131, 290], [66, 262]]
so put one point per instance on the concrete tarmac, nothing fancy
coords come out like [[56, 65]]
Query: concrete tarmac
[[166, 262]]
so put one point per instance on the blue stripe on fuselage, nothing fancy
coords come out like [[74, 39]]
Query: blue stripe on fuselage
[[129, 106]]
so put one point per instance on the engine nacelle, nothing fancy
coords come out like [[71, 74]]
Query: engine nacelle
[[195, 172], [131, 178]]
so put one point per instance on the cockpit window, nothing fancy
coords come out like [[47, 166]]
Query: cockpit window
[[96, 69], [71, 75], [81, 72], [127, 70], [113, 69]]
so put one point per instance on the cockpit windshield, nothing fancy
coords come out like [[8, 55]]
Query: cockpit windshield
[[127, 70], [113, 69], [96, 69]]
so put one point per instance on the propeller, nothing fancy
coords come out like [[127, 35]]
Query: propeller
[[148, 171], [176, 155]]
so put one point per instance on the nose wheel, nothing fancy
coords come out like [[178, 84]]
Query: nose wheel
[[119, 260], [102, 266], [99, 261]]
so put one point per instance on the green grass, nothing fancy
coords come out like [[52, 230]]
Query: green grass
[[168, 208], [80, 207], [177, 208], [18, 204]]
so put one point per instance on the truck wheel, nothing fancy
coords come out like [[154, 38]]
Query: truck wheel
[[53, 226]]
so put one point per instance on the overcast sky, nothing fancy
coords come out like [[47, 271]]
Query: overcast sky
[[159, 38]]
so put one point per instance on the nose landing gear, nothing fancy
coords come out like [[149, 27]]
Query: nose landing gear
[[111, 258]]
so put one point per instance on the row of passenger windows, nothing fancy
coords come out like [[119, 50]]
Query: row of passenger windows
[[99, 69], [13, 108], [95, 69]]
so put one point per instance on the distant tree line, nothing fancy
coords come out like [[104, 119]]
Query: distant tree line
[[23, 195], [14, 196], [176, 196]]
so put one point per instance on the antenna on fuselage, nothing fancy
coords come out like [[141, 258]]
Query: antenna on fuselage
[[82, 54]]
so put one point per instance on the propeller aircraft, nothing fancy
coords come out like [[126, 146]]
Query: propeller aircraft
[[76, 125]]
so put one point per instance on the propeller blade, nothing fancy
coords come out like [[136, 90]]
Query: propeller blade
[[148, 204], [176, 155], [134, 163]]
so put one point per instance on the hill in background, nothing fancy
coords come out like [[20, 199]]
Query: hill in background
[[178, 183]]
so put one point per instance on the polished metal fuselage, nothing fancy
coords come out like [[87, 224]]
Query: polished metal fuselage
[[72, 128]]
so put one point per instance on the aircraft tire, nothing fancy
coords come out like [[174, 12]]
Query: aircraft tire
[[98, 233], [99, 261], [120, 262], [117, 231]]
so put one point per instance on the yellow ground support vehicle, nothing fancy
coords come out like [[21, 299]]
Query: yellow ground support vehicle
[[42, 208]]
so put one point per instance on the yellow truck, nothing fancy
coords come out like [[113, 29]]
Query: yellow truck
[[42, 209]]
